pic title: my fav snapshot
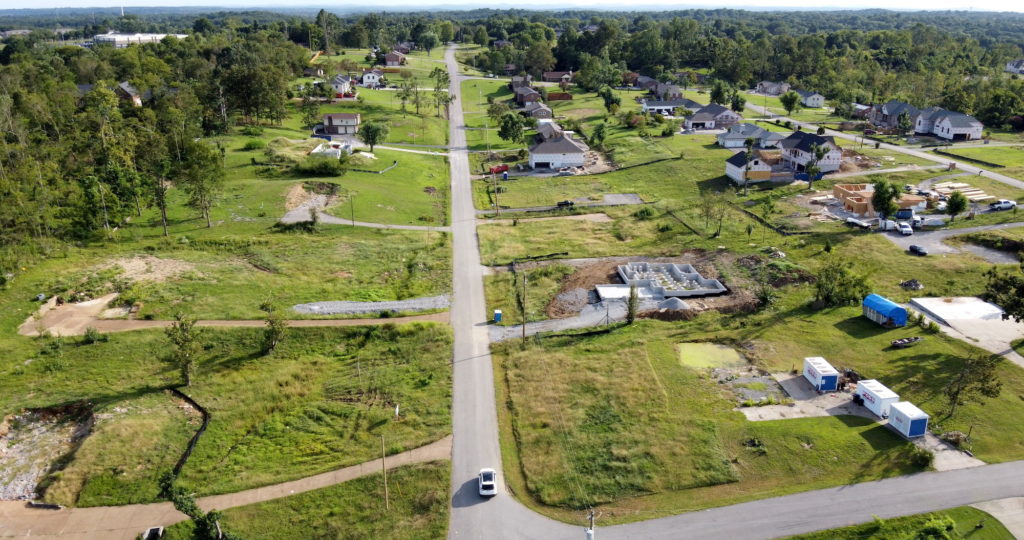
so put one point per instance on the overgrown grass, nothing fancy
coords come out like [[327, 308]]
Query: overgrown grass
[[965, 519], [542, 285], [352, 510], [319, 402]]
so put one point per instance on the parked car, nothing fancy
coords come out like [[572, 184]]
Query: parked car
[[909, 188], [487, 483], [905, 228], [565, 204], [941, 206], [917, 222], [564, 173], [499, 168], [918, 250], [1002, 204], [870, 132]]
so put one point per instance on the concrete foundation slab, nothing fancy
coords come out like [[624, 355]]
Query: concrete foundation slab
[[955, 308]]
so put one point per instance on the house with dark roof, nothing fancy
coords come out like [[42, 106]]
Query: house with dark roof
[[511, 69], [520, 81], [811, 99], [547, 129], [672, 107], [737, 168], [798, 151], [711, 117], [887, 115], [955, 126], [394, 59], [340, 124], [771, 88], [525, 94], [342, 84], [405, 47], [665, 91], [558, 151], [372, 78], [1016, 66], [501, 43], [558, 76], [536, 109], [129, 93], [736, 136], [645, 82], [313, 71]]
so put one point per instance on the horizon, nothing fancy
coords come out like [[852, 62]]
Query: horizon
[[589, 5]]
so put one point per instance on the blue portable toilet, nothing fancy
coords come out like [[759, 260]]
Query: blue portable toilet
[[907, 419], [884, 311], [822, 376], [504, 175], [497, 315]]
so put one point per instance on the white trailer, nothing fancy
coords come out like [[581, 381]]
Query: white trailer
[[907, 419], [876, 397], [822, 376]]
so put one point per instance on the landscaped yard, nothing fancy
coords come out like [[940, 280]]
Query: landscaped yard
[[352, 510], [319, 402], [966, 522]]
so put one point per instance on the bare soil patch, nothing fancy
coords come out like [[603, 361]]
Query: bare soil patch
[[150, 268], [854, 161], [33, 441], [582, 113]]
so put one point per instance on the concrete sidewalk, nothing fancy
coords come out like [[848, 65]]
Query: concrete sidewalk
[[127, 522]]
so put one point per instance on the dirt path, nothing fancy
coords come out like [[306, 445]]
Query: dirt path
[[73, 319], [595, 218], [126, 522]]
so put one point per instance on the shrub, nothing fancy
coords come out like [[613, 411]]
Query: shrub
[[921, 457], [252, 131], [93, 336], [320, 166], [254, 144], [644, 213]]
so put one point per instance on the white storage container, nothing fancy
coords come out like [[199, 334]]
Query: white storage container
[[822, 376], [877, 398], [908, 419]]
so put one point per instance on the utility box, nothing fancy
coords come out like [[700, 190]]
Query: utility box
[[876, 397], [497, 315], [907, 419], [822, 376]]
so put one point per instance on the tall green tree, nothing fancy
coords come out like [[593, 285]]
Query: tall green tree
[[1006, 290], [373, 132], [883, 199], [837, 284], [184, 339], [510, 127], [790, 101], [956, 204], [428, 40], [977, 378], [201, 176]]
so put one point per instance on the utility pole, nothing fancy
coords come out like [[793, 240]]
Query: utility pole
[[352, 208], [384, 470], [497, 207]]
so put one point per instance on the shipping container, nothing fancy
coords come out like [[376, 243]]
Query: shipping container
[[907, 419], [877, 398], [822, 376]]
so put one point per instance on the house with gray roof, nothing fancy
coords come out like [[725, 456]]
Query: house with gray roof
[[525, 94], [537, 109], [671, 107], [558, 152], [711, 117], [741, 172], [887, 115], [955, 126], [811, 99], [736, 137], [1016, 66]]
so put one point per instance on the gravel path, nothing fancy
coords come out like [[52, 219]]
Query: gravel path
[[318, 202], [934, 241], [360, 308], [591, 315], [608, 199]]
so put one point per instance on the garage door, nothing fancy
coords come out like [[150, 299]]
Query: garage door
[[542, 165]]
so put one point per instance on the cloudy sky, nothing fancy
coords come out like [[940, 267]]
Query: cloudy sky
[[983, 5]]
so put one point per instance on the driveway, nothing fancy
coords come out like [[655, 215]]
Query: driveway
[[934, 242]]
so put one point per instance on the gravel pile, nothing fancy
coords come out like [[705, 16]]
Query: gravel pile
[[28, 449], [363, 308]]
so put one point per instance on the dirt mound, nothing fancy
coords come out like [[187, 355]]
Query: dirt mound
[[150, 268]]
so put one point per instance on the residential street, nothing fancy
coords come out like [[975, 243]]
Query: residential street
[[934, 242]]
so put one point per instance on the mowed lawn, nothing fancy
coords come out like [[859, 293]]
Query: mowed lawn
[[418, 510], [1010, 157], [319, 402]]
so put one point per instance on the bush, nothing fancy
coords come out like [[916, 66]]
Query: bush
[[320, 166], [921, 457], [93, 336], [644, 213], [252, 131], [254, 144]]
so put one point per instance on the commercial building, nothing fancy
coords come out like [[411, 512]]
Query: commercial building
[[121, 41]]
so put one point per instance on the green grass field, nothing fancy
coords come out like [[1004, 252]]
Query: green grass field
[[965, 521], [1010, 157], [319, 402], [542, 285], [353, 510]]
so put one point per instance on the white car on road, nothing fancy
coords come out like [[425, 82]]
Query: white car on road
[[1002, 204], [906, 229], [487, 482]]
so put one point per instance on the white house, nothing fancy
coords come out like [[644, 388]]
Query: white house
[[557, 152], [954, 126], [711, 117], [811, 99], [1016, 66], [342, 84], [736, 168], [798, 151], [372, 78], [669, 107], [341, 123], [736, 137]]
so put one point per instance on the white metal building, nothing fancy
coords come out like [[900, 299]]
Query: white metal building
[[121, 41], [877, 397], [907, 419], [822, 376]]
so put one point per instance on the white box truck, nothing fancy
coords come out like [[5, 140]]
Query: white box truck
[[876, 397]]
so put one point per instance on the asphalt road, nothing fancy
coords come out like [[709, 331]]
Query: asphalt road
[[934, 242]]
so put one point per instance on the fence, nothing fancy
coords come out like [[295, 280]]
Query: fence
[[988, 164], [199, 432]]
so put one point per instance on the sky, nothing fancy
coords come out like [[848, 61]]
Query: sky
[[979, 5]]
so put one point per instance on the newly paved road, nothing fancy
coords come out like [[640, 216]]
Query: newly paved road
[[934, 242]]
